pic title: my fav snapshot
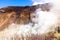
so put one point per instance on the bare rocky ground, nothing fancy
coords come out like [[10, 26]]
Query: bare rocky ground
[[49, 36], [13, 14], [46, 36]]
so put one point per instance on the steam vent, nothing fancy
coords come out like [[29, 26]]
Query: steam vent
[[36, 22]]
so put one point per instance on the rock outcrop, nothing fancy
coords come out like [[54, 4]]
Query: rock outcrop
[[19, 14]]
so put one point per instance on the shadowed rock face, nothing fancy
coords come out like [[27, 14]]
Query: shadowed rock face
[[19, 14]]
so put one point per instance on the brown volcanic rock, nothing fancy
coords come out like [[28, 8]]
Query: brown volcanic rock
[[22, 15], [19, 14]]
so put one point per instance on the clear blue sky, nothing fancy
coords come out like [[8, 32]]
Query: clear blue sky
[[4, 3]]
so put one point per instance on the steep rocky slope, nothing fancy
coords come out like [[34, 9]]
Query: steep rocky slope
[[12, 17]]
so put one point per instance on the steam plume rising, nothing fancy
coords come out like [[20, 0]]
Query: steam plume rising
[[41, 19], [50, 18]]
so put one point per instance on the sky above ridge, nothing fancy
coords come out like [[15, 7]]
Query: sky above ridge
[[4, 3]]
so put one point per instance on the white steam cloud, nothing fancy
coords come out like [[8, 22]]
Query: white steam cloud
[[50, 19], [44, 21], [55, 3], [35, 2]]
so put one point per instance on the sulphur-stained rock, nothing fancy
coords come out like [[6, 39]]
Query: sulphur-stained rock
[[19, 14], [17, 23]]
